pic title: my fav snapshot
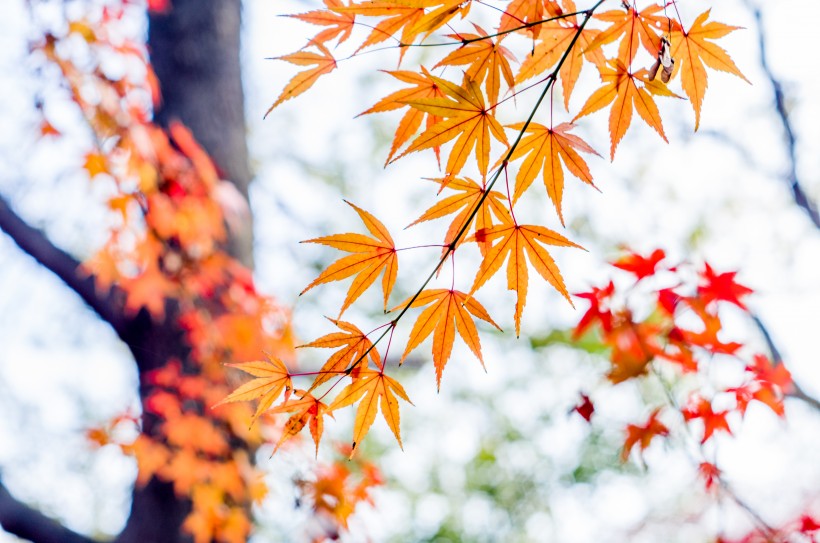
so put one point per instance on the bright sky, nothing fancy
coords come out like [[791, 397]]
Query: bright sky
[[716, 194]]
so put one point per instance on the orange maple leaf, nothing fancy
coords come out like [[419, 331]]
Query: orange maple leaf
[[148, 290], [372, 389], [441, 11], [324, 63], [425, 87], [643, 434], [489, 60], [95, 164], [545, 149], [632, 348], [370, 256], [525, 14], [692, 49], [272, 378], [621, 86], [340, 22], [467, 118], [354, 346], [554, 39], [399, 15], [633, 28], [309, 411], [448, 312], [462, 205], [515, 240]]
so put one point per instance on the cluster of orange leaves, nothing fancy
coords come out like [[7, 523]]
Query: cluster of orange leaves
[[167, 247], [459, 120], [676, 341]]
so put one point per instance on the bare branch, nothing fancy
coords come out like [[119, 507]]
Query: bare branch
[[799, 195], [33, 242], [27, 523]]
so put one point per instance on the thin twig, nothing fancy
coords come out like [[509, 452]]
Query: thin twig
[[798, 194]]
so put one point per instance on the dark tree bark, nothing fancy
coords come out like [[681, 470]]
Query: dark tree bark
[[23, 521], [194, 49]]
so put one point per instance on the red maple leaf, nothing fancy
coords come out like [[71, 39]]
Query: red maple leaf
[[701, 408], [642, 435], [721, 286], [640, 266], [598, 311], [585, 408]]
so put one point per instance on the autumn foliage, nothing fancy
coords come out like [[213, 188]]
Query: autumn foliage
[[457, 117], [497, 106]]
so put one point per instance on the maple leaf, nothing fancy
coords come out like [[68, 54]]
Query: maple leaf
[[467, 118], [95, 164], [425, 87], [632, 348], [309, 411], [710, 474], [354, 346], [774, 374], [701, 408], [585, 408], [448, 312], [555, 38], [522, 13], [620, 87], [721, 286], [640, 266], [324, 63], [148, 290], [272, 378], [370, 256], [633, 28], [598, 311], [442, 12], [462, 204], [372, 389], [708, 338], [693, 51], [515, 240], [399, 15], [545, 148], [642, 435], [340, 23], [488, 60], [191, 431]]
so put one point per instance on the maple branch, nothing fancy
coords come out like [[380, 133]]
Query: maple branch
[[796, 390], [34, 243], [28, 523], [496, 174], [798, 194], [524, 26]]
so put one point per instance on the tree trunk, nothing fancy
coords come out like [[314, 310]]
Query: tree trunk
[[194, 49]]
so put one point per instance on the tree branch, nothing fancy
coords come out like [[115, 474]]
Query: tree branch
[[24, 522], [33, 242], [798, 194], [796, 391]]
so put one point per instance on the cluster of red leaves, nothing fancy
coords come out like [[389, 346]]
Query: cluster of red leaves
[[682, 332], [806, 527], [681, 335], [167, 247], [458, 120]]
